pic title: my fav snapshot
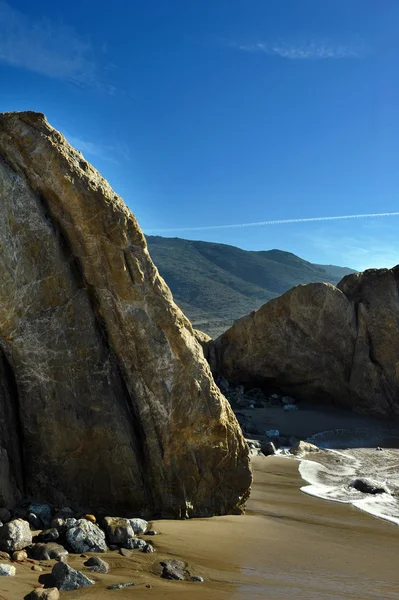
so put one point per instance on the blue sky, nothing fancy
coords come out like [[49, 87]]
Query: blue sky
[[203, 113]]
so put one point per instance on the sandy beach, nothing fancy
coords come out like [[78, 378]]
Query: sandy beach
[[288, 545]]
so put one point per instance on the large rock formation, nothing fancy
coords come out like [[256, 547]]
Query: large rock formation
[[322, 343], [105, 398]]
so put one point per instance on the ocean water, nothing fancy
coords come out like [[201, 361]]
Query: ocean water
[[347, 455]]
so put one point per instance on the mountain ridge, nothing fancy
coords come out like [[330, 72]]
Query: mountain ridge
[[215, 284]]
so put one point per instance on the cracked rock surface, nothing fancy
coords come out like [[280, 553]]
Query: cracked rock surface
[[105, 397]]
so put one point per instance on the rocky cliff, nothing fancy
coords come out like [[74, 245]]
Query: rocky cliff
[[322, 343], [105, 398]]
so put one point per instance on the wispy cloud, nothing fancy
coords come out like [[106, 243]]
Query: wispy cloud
[[110, 153], [277, 222], [304, 50], [48, 48]]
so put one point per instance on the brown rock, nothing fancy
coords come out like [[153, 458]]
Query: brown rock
[[43, 594], [91, 518], [322, 343], [19, 555], [36, 568], [100, 369]]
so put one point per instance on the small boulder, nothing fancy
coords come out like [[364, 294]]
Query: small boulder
[[268, 449], [174, 569], [66, 578], [43, 594], [118, 530], [148, 549], [7, 570], [5, 515], [36, 568], [139, 525], [48, 551], [302, 448], [369, 486], [134, 543], [125, 552], [48, 535], [97, 564], [85, 536], [15, 535], [19, 555]]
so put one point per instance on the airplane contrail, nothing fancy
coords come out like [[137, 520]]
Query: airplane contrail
[[277, 222]]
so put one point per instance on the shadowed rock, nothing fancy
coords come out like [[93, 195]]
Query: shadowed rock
[[322, 343], [104, 388]]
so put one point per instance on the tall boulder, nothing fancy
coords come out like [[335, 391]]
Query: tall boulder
[[322, 343], [106, 400]]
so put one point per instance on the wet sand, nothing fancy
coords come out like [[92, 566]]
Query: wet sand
[[288, 546]]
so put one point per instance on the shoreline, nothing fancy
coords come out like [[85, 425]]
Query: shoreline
[[288, 545]]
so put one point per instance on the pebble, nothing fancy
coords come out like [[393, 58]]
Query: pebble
[[126, 553], [19, 555], [118, 586], [36, 568]]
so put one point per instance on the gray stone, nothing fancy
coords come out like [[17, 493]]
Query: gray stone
[[48, 535], [85, 536], [15, 535], [49, 551], [97, 564], [369, 486], [148, 549], [66, 578], [134, 543], [138, 525], [174, 569], [7, 570], [268, 449]]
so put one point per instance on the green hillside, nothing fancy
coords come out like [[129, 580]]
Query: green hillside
[[214, 284]]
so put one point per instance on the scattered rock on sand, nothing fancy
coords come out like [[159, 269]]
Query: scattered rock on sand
[[85, 536], [97, 564], [151, 532], [7, 570], [118, 586], [15, 535], [48, 551], [148, 549], [118, 530], [48, 535], [66, 578], [139, 525], [303, 447], [43, 594], [36, 568], [369, 486], [134, 543], [19, 555], [197, 578], [174, 569], [268, 449], [125, 552]]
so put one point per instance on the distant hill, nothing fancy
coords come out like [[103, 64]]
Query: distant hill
[[214, 284]]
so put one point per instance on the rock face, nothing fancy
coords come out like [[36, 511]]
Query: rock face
[[322, 343], [106, 400]]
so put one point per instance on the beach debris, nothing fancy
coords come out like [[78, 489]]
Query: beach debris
[[19, 555], [97, 564], [118, 530], [7, 570], [268, 448], [302, 448], [368, 486], [48, 535], [139, 525], [49, 551], [15, 535], [118, 586], [85, 536], [174, 569], [43, 594], [66, 578]]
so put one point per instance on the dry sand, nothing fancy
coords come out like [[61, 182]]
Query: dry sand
[[288, 546]]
